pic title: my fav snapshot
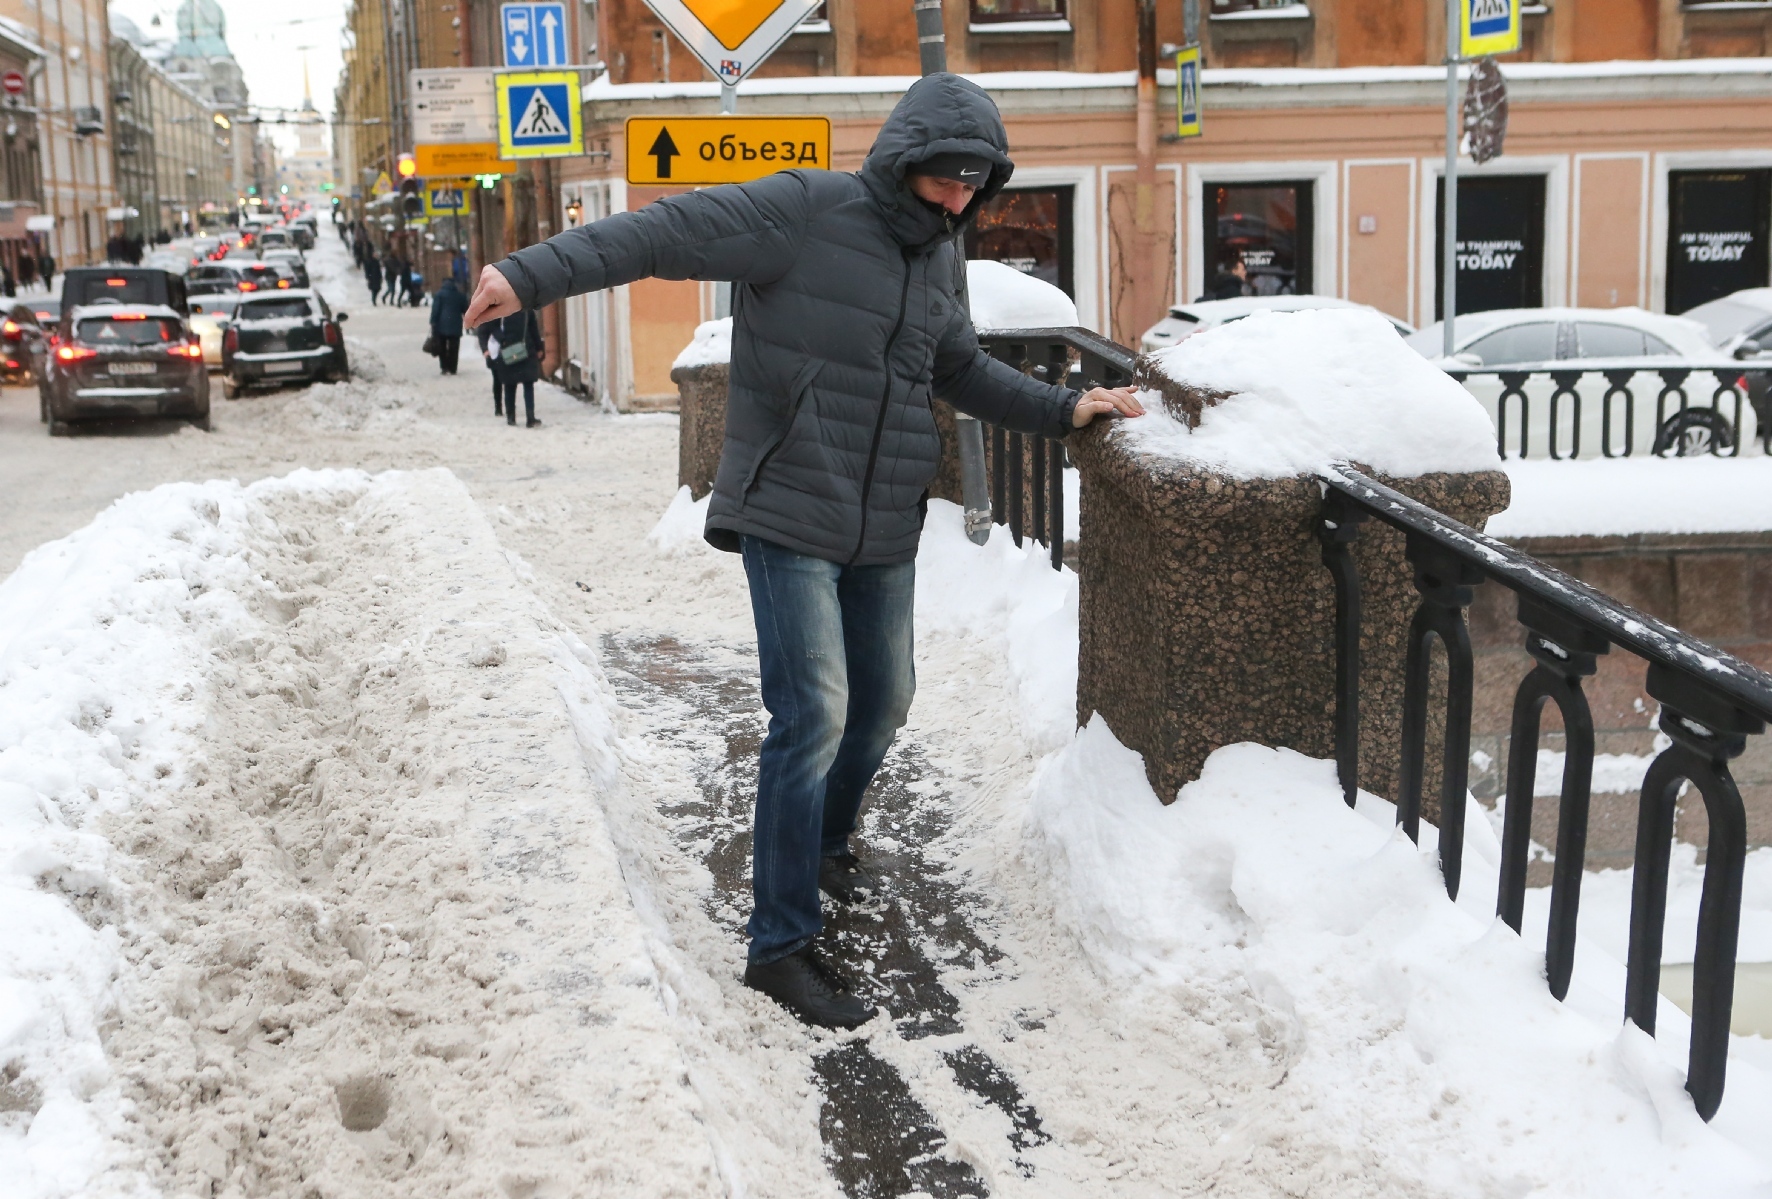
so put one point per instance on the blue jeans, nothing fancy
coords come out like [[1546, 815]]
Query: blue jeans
[[834, 644]]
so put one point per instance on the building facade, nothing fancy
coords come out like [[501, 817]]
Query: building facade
[[1637, 170], [21, 173]]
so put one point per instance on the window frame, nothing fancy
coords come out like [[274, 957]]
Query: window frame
[[976, 17]]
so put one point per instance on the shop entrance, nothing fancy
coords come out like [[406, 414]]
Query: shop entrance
[[1028, 228], [1258, 238], [1716, 234], [1500, 243]]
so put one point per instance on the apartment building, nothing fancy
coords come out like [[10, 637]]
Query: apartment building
[[1640, 140]]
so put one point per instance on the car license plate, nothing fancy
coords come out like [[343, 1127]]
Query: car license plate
[[132, 368], [285, 368]]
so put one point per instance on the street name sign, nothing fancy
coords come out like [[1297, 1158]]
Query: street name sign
[[534, 34], [723, 149], [447, 197], [453, 106], [540, 114], [1187, 92], [1488, 27], [732, 37], [461, 158]]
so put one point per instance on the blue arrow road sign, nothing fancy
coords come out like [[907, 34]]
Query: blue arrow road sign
[[535, 34]]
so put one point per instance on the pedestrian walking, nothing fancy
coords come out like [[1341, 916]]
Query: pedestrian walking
[[448, 306], [27, 271], [393, 271], [516, 347], [458, 270], [415, 287], [483, 334], [849, 313], [46, 270], [372, 276]]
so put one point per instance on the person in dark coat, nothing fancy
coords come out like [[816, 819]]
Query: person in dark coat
[[522, 328], [447, 308], [849, 313], [483, 334], [1231, 281], [372, 276], [393, 273]]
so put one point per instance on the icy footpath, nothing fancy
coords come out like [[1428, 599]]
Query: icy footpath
[[304, 869]]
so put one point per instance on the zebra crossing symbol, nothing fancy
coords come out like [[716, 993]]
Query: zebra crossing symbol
[[539, 114]]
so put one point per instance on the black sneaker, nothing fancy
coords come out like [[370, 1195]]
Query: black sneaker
[[807, 987], [845, 879], [532, 424]]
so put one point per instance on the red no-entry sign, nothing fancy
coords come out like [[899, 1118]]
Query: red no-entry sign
[[13, 82]]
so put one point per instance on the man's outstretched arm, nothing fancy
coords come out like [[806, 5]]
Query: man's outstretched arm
[[746, 233], [995, 392]]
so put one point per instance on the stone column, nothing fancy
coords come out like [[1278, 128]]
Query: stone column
[[701, 409], [1207, 616]]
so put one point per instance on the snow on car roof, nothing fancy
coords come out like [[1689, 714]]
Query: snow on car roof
[[1685, 335], [1216, 312]]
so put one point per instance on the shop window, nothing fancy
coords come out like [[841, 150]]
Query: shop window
[[1231, 8], [1258, 239], [1028, 229], [1716, 234], [987, 11], [1500, 243]]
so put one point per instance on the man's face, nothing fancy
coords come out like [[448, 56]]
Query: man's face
[[951, 194]]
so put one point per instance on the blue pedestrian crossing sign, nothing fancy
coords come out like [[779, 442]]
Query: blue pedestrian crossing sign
[[539, 114], [447, 197], [1488, 27], [534, 34]]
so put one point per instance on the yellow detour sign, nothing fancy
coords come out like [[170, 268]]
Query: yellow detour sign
[[383, 185], [732, 37], [447, 197], [465, 158], [540, 114], [725, 149]]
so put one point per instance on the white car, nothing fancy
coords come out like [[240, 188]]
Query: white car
[[1185, 320], [1737, 319], [1590, 343]]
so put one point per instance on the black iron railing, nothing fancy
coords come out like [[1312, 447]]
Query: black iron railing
[[1691, 415], [1027, 473], [1710, 701]]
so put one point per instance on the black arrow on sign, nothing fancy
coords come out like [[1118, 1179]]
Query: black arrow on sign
[[664, 149]]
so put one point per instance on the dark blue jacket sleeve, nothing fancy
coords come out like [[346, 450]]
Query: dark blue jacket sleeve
[[740, 233]]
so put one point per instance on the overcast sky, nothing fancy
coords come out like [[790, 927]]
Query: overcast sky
[[269, 40]]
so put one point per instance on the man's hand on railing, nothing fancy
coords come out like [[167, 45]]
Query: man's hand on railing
[[1116, 401], [493, 298]]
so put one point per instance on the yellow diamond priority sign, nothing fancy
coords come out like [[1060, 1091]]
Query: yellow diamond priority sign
[[698, 151], [732, 37]]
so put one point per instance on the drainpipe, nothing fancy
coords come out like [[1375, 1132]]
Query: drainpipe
[[1145, 297], [975, 488]]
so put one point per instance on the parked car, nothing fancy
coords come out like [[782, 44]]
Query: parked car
[[210, 315], [23, 341], [289, 264], [124, 360], [275, 239], [83, 285], [301, 230], [1185, 320], [1584, 339], [285, 337]]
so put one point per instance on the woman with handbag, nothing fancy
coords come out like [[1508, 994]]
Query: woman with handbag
[[516, 345]]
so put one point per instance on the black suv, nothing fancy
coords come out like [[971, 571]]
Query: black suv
[[124, 360], [82, 285], [283, 337]]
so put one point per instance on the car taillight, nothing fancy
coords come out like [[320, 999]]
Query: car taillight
[[331, 333], [282, 283], [74, 353], [11, 330], [189, 349], [231, 340], [11, 365], [245, 286]]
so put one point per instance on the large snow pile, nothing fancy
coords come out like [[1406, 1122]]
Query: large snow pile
[[1636, 495], [1311, 389], [1005, 298]]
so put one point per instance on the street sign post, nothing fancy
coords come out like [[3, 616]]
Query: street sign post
[[534, 34], [448, 197], [1488, 27], [453, 106], [539, 114], [732, 37], [461, 159], [1187, 92], [723, 149]]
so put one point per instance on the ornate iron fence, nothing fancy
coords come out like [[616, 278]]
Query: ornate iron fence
[[1027, 473], [1711, 703], [1681, 426]]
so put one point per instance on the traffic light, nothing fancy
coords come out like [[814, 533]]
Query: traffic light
[[408, 166], [412, 204]]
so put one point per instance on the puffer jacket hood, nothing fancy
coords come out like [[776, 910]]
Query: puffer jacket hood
[[940, 114]]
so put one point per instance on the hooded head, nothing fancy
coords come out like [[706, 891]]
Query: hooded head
[[940, 116]]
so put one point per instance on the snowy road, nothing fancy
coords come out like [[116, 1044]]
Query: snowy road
[[387, 834]]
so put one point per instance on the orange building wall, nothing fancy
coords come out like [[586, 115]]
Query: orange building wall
[[1608, 249], [1378, 262]]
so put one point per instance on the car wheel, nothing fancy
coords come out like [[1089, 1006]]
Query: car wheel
[[230, 388], [59, 428], [1693, 432]]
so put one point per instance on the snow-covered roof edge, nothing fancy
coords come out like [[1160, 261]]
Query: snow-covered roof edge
[[16, 33]]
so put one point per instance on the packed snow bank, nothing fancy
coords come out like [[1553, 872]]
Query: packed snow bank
[[1307, 390], [1416, 1032], [1002, 297], [1636, 495], [680, 530], [302, 804], [711, 345]]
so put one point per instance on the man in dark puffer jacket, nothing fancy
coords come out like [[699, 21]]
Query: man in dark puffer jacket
[[849, 313]]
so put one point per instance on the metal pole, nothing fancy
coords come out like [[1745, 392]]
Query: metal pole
[[728, 97], [1449, 250], [932, 41]]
